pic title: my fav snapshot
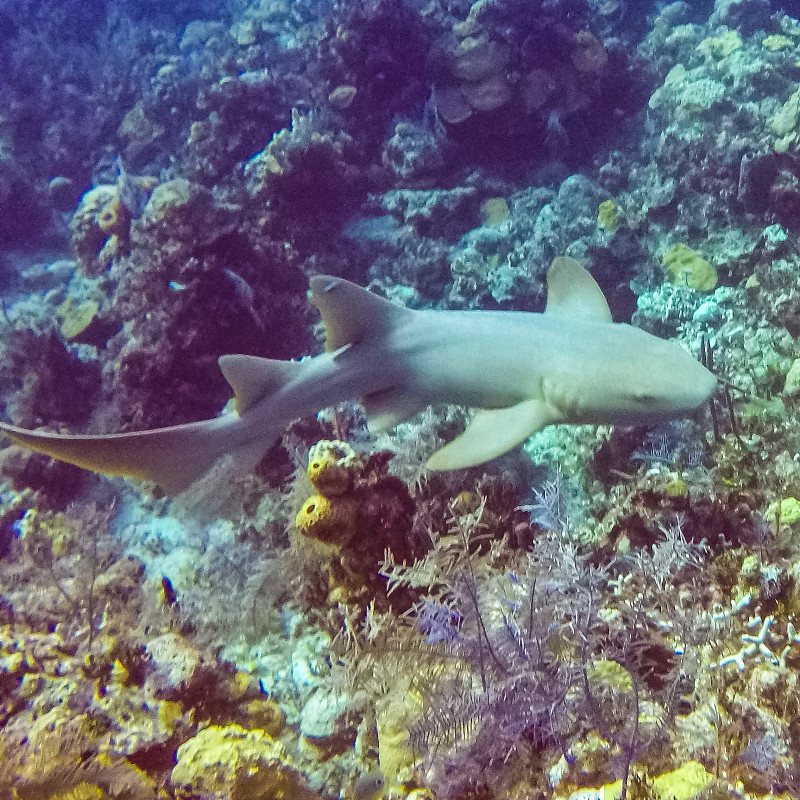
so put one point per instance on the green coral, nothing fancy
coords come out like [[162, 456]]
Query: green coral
[[722, 46], [787, 510], [76, 316], [763, 408], [607, 216], [784, 123], [776, 42], [685, 267], [689, 89]]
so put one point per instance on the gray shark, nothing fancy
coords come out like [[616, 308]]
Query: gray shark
[[522, 371]]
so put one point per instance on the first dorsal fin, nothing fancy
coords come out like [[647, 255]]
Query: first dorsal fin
[[251, 377], [352, 314], [573, 292]]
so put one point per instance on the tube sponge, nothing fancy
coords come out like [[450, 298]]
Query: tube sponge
[[330, 519], [332, 466]]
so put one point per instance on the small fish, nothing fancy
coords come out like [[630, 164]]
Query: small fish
[[369, 786], [245, 293]]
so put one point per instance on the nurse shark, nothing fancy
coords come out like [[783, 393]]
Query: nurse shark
[[520, 370]]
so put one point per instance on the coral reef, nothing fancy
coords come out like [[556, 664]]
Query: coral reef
[[602, 611], [229, 762]]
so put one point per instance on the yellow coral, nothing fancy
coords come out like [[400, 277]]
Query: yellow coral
[[610, 673], [331, 465], [399, 712], [784, 122], [76, 316], [494, 210], [476, 58], [466, 503], [266, 715], [169, 714], [330, 520], [682, 783], [231, 761], [684, 266], [83, 791], [607, 215], [108, 218]]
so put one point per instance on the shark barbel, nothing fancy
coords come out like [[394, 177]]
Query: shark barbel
[[522, 370]]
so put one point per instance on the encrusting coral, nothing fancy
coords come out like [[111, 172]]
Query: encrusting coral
[[228, 763]]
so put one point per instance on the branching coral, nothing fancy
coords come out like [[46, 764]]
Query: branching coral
[[76, 567], [548, 656]]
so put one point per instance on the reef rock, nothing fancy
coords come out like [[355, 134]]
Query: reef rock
[[232, 763]]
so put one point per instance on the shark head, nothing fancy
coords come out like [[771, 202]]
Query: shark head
[[617, 373], [658, 380]]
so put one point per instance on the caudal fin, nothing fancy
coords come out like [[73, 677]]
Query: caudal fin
[[173, 457], [177, 456]]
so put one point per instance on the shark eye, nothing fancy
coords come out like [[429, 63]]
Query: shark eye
[[645, 398]]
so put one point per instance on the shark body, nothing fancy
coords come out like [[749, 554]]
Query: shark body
[[522, 370]]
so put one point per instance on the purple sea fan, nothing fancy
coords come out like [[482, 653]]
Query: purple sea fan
[[438, 622], [549, 507], [677, 441]]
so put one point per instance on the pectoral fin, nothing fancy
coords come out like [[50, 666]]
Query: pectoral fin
[[493, 433]]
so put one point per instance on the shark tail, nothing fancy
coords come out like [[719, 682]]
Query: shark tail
[[177, 456], [172, 457]]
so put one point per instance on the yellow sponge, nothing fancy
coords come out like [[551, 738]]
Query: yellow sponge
[[686, 267]]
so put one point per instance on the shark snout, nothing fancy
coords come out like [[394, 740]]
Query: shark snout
[[669, 383], [697, 384], [692, 385], [707, 384]]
